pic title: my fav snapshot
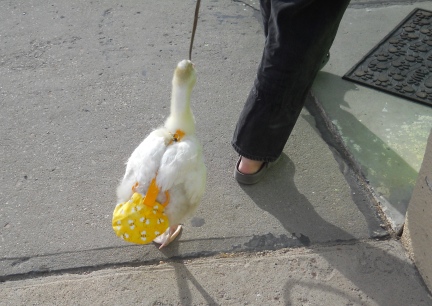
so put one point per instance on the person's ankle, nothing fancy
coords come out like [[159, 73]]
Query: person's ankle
[[249, 166]]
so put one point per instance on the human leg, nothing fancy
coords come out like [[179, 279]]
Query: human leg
[[298, 36]]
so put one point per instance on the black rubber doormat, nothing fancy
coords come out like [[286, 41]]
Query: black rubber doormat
[[401, 64]]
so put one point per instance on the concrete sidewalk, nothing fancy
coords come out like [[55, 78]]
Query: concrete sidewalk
[[358, 273], [82, 83]]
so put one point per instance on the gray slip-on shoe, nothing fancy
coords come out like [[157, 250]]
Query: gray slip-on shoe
[[250, 179]]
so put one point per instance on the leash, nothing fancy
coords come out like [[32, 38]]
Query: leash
[[198, 2]]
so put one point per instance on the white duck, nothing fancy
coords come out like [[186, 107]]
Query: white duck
[[174, 156]]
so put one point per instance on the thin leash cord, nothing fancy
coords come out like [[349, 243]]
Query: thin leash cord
[[198, 2]]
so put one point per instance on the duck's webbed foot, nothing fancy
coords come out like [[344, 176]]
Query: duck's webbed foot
[[170, 234]]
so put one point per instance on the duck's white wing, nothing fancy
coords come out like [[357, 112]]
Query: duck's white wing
[[143, 164], [183, 163]]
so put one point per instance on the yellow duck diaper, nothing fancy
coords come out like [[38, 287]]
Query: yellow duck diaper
[[141, 219]]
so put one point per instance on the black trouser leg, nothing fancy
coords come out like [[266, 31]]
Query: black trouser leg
[[299, 33]]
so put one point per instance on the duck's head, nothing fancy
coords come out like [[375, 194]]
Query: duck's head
[[184, 74]]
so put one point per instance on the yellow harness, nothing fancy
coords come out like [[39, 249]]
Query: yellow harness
[[141, 219]]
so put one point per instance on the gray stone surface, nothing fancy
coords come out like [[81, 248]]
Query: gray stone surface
[[363, 273], [81, 83], [417, 234], [84, 82], [385, 134]]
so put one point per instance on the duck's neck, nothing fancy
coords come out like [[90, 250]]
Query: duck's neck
[[180, 99], [181, 116]]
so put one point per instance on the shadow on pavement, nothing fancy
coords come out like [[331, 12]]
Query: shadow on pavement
[[297, 215], [183, 278], [389, 174]]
